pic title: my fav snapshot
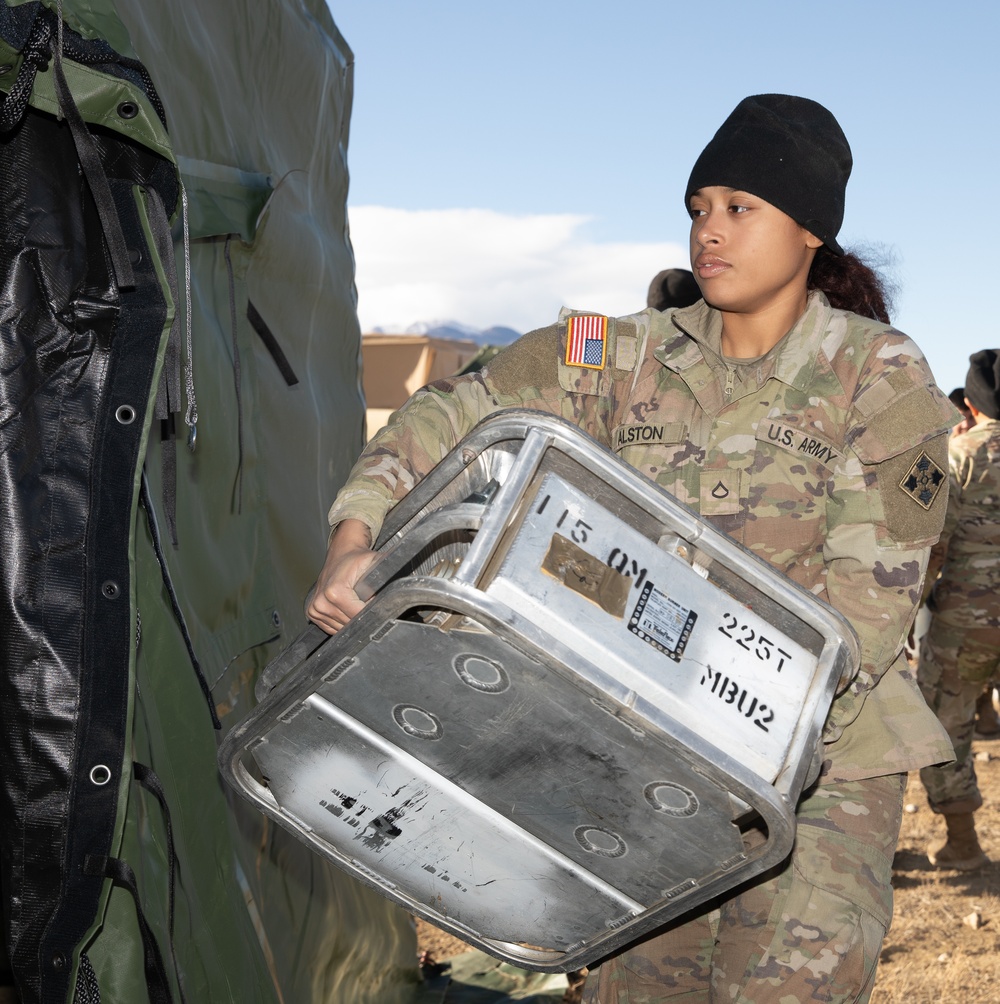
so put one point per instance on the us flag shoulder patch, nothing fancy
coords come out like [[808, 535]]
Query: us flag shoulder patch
[[587, 341]]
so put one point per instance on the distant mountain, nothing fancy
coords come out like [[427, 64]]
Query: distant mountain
[[455, 330]]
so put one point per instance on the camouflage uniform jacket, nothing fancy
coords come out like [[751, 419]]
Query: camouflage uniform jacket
[[825, 458], [968, 553]]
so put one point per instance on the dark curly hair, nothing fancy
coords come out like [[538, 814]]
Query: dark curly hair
[[851, 284]]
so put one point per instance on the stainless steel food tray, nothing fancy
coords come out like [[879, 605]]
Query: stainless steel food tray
[[571, 711]]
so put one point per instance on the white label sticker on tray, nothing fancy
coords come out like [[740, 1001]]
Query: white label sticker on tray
[[662, 621]]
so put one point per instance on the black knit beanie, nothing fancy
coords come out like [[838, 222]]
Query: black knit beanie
[[982, 385], [786, 150]]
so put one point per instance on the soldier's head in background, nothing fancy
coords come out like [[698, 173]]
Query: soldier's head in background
[[982, 383], [957, 398], [673, 287]]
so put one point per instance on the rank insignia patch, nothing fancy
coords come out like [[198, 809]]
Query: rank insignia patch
[[923, 481], [587, 341]]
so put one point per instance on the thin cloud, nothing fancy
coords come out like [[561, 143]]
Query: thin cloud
[[484, 268]]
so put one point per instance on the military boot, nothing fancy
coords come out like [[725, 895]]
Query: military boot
[[961, 850], [987, 722]]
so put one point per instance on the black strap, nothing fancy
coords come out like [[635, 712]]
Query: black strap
[[174, 604], [148, 779], [236, 376], [93, 171], [168, 475], [157, 983], [271, 344]]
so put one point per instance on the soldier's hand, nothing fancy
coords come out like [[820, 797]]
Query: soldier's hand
[[334, 601]]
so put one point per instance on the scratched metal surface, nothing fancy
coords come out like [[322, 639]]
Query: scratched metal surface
[[564, 820]]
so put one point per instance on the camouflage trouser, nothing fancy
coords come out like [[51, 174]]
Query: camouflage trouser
[[955, 663], [809, 931]]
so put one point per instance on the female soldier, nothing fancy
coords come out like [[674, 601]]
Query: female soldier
[[785, 410]]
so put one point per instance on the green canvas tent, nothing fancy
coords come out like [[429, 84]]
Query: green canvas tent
[[174, 256]]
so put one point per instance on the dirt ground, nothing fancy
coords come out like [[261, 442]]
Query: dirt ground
[[944, 944]]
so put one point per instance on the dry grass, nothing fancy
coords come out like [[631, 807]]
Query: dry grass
[[932, 955]]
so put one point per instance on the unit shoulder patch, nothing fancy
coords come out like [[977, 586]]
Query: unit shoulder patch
[[587, 341], [923, 481]]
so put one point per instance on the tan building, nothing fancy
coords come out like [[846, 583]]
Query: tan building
[[394, 366]]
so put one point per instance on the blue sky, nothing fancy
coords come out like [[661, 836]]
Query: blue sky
[[507, 158]]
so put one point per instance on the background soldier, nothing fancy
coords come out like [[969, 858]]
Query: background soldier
[[673, 287], [957, 398], [961, 649]]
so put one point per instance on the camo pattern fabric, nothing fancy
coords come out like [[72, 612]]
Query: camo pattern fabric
[[810, 932], [826, 457], [961, 650], [954, 664]]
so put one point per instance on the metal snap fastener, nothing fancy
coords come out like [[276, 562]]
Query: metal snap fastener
[[125, 414], [110, 590], [671, 798], [100, 775], [482, 674], [134, 256], [416, 722], [275, 618], [128, 110], [58, 960], [599, 840]]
